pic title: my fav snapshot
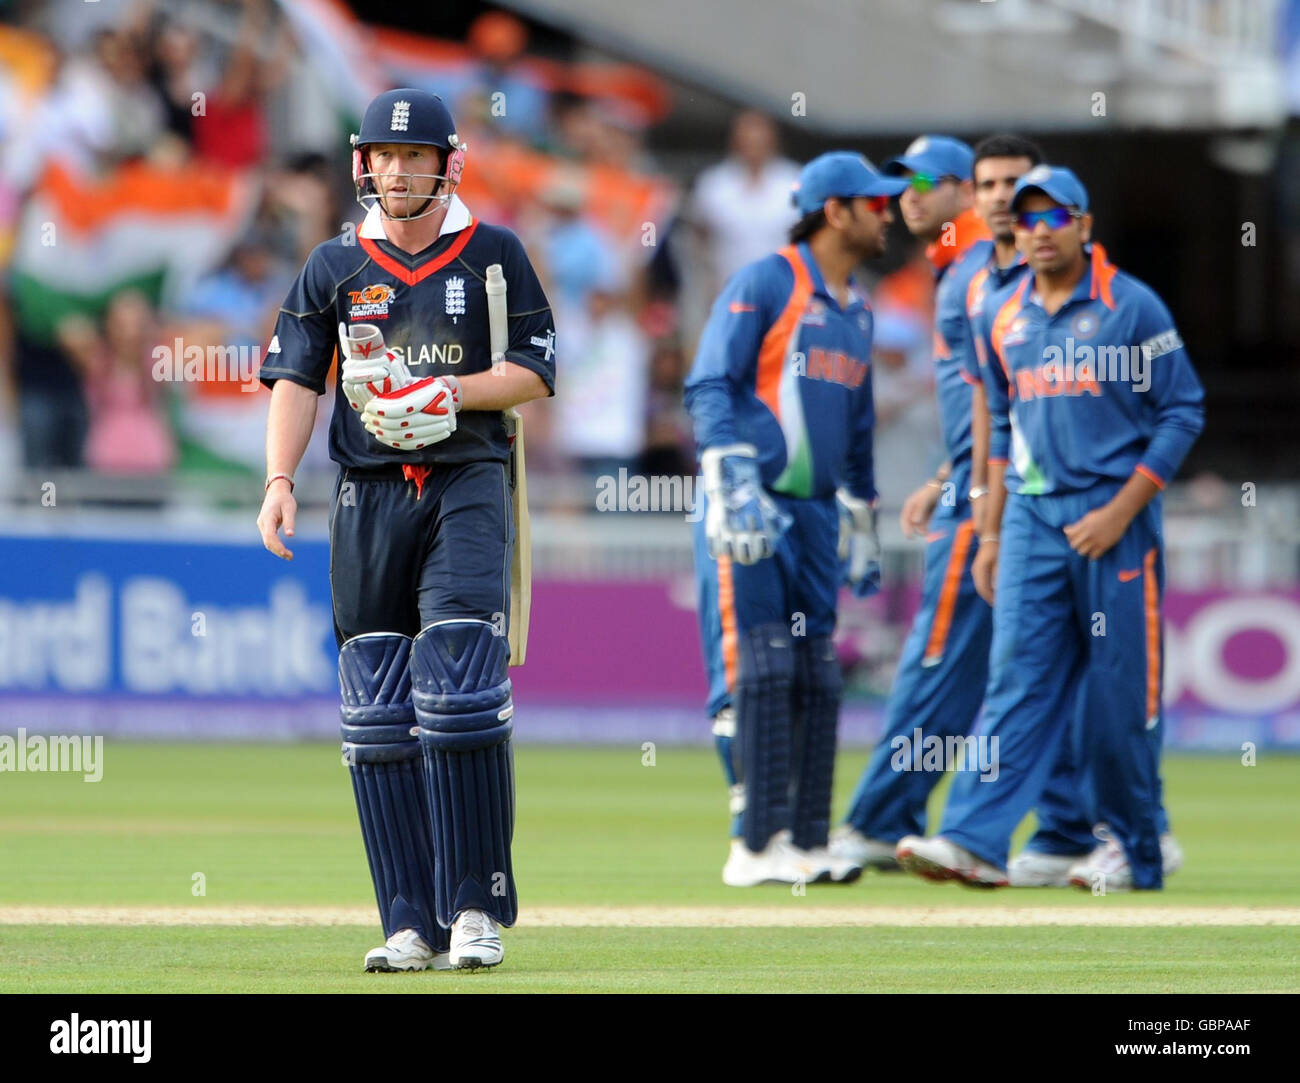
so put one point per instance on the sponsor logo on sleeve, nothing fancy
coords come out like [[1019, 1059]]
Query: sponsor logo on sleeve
[[1161, 344]]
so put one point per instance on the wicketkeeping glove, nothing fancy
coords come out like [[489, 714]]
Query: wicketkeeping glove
[[859, 544], [416, 416], [743, 522], [369, 369]]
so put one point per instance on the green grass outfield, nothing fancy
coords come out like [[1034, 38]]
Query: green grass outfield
[[618, 869]]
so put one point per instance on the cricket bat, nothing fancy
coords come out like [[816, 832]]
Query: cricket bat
[[521, 563]]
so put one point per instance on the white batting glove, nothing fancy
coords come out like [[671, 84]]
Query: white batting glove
[[369, 369], [415, 416], [859, 547]]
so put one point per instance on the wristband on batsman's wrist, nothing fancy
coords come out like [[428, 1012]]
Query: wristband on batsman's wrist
[[986, 538], [978, 491], [277, 477]]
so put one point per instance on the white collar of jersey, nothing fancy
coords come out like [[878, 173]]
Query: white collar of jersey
[[458, 218]]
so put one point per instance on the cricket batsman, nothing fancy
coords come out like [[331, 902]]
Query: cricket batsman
[[1093, 404], [422, 532], [780, 395], [944, 665]]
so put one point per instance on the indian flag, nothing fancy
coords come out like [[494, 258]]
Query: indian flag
[[156, 228]]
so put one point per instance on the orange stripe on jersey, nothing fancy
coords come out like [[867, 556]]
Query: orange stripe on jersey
[[727, 611], [1103, 273], [1151, 590], [1002, 321], [972, 290], [776, 343], [411, 278], [948, 593]]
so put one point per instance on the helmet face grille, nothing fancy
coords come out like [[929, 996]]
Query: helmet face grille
[[370, 188]]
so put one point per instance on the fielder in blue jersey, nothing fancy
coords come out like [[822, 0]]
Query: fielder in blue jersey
[[944, 665], [1093, 405], [780, 395], [421, 524]]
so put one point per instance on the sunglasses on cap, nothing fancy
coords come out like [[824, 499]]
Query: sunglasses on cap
[[925, 182], [1056, 218]]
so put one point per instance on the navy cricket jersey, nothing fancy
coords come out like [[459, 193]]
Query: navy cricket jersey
[[432, 310]]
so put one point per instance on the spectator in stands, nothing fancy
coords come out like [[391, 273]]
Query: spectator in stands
[[129, 432], [231, 130], [499, 41], [51, 405], [243, 296], [301, 208], [742, 204], [577, 256], [600, 419], [669, 440], [179, 70]]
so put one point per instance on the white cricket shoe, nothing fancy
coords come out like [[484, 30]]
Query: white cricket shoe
[[837, 870], [1171, 854], [939, 859], [849, 844], [801, 866], [746, 869], [1107, 869], [777, 863], [475, 941], [405, 950], [1033, 868]]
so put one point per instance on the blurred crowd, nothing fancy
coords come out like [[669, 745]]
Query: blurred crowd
[[165, 169]]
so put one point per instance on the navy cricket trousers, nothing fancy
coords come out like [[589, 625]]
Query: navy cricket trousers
[[401, 559]]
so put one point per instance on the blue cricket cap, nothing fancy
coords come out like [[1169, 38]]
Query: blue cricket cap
[[936, 155], [1054, 181], [840, 174]]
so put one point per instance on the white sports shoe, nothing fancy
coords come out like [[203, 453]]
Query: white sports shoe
[[475, 941], [1032, 868], [1171, 854], [938, 859], [1107, 869], [406, 950], [839, 870], [801, 866], [745, 868], [849, 844], [777, 863]]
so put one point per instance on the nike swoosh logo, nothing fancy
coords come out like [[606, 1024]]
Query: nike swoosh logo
[[738, 308], [1129, 576], [935, 535]]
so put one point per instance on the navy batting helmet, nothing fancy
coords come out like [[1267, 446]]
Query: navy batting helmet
[[414, 116]]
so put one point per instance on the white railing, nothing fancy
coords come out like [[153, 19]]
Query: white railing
[[1216, 32]]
